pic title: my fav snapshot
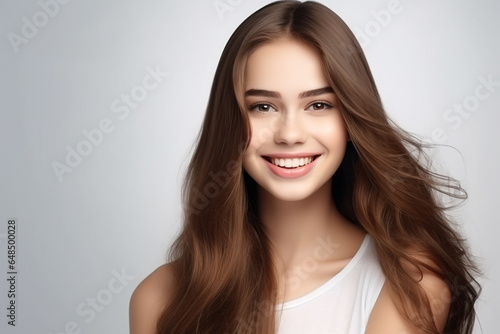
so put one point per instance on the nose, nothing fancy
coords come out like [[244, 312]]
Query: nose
[[290, 129]]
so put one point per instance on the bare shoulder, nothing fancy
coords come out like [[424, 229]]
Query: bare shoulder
[[385, 316], [149, 300]]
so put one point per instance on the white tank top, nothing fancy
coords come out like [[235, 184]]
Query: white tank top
[[340, 306]]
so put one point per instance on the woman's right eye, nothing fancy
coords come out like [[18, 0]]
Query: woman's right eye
[[262, 107]]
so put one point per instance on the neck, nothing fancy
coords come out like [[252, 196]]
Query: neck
[[294, 227]]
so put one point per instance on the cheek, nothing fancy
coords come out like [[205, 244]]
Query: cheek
[[253, 146], [332, 132], [262, 131]]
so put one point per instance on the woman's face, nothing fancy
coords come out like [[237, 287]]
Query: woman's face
[[298, 135]]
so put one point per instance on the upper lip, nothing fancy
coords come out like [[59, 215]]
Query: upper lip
[[290, 155]]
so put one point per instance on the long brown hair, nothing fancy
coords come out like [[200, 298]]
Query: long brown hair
[[224, 278]]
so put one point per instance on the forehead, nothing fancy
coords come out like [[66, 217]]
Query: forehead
[[284, 65]]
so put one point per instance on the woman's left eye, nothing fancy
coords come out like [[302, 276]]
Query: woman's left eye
[[317, 106]]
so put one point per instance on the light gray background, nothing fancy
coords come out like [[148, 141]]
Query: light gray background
[[119, 209]]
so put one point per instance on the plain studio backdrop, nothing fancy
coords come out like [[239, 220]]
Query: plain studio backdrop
[[101, 102]]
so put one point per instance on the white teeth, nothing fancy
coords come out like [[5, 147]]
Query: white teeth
[[291, 163]]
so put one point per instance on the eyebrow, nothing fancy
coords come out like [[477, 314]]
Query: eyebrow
[[268, 93]]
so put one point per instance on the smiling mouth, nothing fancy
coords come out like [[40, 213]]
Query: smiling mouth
[[291, 163]]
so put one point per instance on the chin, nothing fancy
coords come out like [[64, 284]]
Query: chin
[[290, 194], [290, 197]]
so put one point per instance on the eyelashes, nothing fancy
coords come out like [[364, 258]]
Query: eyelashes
[[268, 107], [262, 107], [320, 105]]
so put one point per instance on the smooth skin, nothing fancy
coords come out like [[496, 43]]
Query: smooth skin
[[295, 211]]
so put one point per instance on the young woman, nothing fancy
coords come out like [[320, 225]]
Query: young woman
[[306, 209]]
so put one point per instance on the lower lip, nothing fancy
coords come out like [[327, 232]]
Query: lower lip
[[291, 173]]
